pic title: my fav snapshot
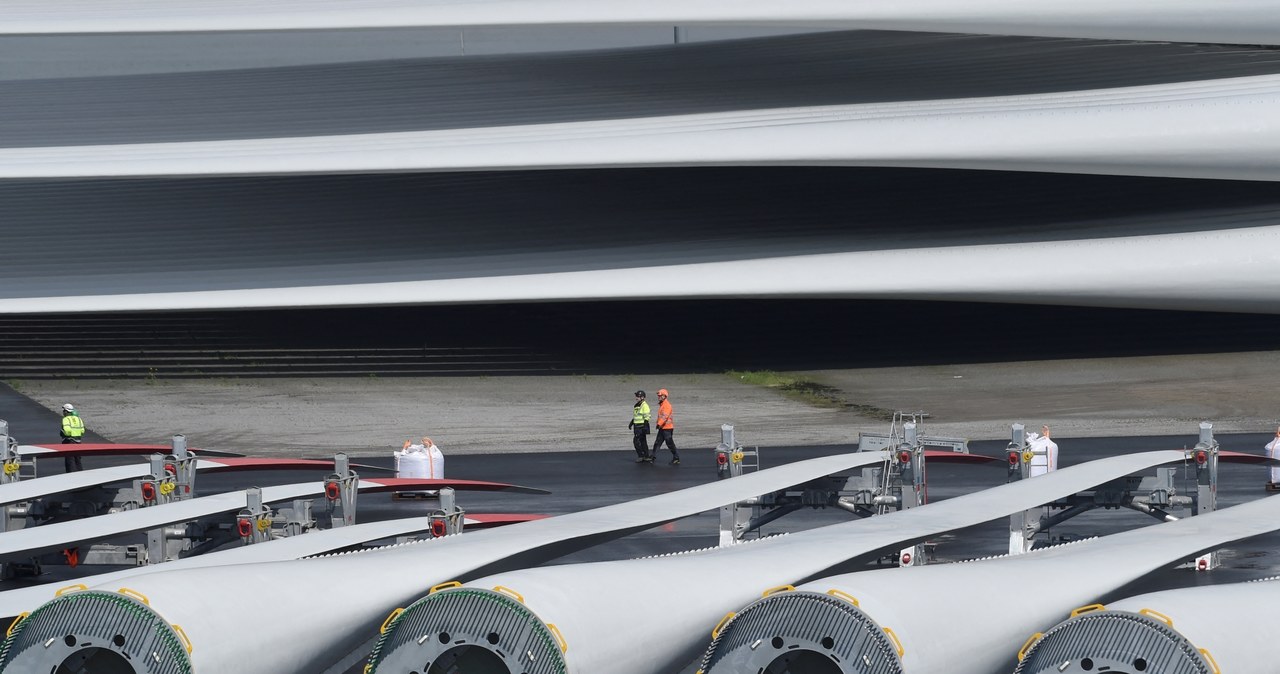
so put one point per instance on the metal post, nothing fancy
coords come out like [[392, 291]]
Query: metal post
[[184, 469], [299, 520], [162, 487], [12, 468], [9, 454], [164, 477], [728, 530], [343, 508], [148, 491], [155, 546], [12, 472], [253, 524], [732, 461], [1023, 524], [1207, 472], [1018, 441], [262, 530], [910, 486], [919, 485], [1206, 485], [159, 477], [455, 517], [727, 467], [724, 452]]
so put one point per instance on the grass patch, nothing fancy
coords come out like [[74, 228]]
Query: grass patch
[[15, 384], [809, 392]]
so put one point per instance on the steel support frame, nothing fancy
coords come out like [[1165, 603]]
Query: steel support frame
[[899, 484], [1152, 495]]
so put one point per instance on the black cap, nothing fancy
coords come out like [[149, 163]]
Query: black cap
[[640, 394]]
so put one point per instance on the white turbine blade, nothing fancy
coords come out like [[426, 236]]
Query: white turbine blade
[[1228, 21], [24, 543], [1016, 596], [1224, 128], [312, 628], [1221, 270], [608, 612], [1226, 628], [26, 599]]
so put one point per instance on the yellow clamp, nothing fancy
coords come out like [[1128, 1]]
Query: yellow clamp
[[1088, 609], [394, 614], [13, 625], [1157, 615], [1026, 646], [715, 631], [736, 457], [444, 586], [509, 592], [843, 595], [1026, 456], [555, 631], [1204, 652], [780, 588], [11, 467], [264, 524], [182, 634], [897, 645], [70, 588], [166, 488], [135, 594]]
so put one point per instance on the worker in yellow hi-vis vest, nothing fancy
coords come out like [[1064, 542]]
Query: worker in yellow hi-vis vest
[[639, 426], [72, 432]]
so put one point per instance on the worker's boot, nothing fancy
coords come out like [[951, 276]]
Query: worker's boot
[[675, 459]]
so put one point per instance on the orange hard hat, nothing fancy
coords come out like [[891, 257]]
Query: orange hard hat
[[662, 391]]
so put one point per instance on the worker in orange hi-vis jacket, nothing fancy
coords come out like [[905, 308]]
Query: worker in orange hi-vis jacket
[[666, 424]]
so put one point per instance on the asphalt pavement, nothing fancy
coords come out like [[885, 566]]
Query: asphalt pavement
[[32, 423]]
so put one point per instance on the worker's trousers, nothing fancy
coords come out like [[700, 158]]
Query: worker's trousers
[[664, 435], [641, 441], [72, 464]]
